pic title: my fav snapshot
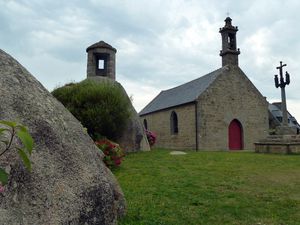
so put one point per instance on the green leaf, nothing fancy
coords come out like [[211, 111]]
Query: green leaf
[[8, 123], [21, 127], [2, 130], [3, 176], [25, 159], [26, 139]]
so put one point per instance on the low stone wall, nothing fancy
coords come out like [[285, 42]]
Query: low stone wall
[[283, 144]]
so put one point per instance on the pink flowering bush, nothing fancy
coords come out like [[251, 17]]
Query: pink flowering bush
[[151, 136], [1, 189], [112, 151]]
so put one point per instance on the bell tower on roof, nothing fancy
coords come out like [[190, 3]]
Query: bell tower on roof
[[229, 52]]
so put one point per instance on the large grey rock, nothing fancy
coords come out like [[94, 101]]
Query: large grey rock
[[69, 184], [133, 138]]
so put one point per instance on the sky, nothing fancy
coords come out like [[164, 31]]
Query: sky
[[160, 43]]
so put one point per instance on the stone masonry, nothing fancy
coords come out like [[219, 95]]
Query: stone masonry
[[160, 124], [104, 54], [232, 96], [282, 144], [215, 110]]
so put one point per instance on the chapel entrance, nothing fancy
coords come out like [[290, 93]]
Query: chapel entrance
[[235, 135]]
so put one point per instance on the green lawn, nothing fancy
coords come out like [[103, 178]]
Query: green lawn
[[210, 188]]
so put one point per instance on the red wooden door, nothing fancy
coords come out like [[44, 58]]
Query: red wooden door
[[235, 135]]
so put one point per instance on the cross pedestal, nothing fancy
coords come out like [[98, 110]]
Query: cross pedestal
[[283, 144]]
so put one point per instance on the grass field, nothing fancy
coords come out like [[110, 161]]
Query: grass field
[[210, 188]]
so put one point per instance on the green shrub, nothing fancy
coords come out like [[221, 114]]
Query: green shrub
[[102, 108]]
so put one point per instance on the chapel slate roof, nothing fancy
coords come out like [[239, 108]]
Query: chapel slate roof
[[275, 110], [182, 94]]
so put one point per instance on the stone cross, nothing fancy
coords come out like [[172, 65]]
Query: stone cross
[[281, 83]]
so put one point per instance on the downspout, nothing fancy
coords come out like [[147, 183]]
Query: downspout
[[196, 123]]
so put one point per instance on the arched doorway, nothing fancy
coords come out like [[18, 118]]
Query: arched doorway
[[235, 135]]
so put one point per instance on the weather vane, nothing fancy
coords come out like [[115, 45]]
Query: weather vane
[[227, 14], [282, 83]]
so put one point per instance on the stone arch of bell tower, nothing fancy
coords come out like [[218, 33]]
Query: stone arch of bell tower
[[101, 60]]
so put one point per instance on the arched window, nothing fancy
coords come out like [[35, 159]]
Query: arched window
[[145, 124], [174, 123]]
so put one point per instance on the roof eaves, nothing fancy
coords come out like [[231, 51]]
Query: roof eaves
[[155, 111]]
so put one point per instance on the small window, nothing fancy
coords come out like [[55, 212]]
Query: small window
[[145, 124], [100, 64], [174, 123]]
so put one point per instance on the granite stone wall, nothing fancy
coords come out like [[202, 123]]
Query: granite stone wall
[[110, 66], [159, 122], [231, 96]]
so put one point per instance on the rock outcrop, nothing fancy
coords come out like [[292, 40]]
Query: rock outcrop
[[69, 183]]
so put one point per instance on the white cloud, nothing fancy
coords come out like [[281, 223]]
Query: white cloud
[[294, 108], [258, 48], [141, 94], [160, 44]]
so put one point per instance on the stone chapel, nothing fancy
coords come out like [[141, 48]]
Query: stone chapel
[[222, 110]]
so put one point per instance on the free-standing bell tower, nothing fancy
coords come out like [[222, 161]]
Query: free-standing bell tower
[[101, 60], [229, 52]]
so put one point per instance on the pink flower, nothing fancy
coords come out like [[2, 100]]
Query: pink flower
[[151, 136], [112, 151], [1, 189], [117, 162]]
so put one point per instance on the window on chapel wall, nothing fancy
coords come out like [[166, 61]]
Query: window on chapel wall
[[174, 123], [145, 124]]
